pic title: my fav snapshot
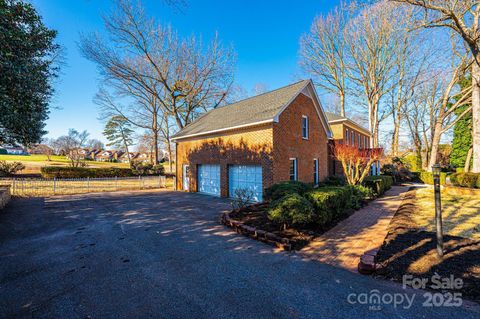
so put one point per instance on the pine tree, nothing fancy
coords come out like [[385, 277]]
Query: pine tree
[[119, 133], [462, 133], [27, 66]]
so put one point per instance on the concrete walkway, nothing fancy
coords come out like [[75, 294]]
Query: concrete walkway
[[343, 245]]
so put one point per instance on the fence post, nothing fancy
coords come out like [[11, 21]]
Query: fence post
[[140, 181], [116, 183], [54, 185], [159, 181], [13, 186], [88, 184]]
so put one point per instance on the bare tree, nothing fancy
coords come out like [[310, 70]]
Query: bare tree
[[156, 71], [413, 57], [323, 52], [373, 40], [71, 144], [463, 18]]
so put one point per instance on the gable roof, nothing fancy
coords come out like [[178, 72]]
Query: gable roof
[[337, 118], [259, 109]]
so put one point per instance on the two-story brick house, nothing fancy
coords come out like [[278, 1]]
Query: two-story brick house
[[275, 136], [345, 130]]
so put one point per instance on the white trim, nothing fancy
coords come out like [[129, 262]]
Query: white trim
[[316, 171], [307, 128], [173, 139], [318, 108], [295, 168], [354, 124]]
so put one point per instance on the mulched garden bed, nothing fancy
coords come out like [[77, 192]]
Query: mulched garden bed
[[255, 216], [411, 250]]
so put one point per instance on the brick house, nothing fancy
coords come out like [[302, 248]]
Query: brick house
[[275, 136], [345, 130]]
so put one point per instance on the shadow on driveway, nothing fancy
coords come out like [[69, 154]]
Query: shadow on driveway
[[164, 254]]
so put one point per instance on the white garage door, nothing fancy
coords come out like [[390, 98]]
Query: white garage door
[[209, 179], [245, 176]]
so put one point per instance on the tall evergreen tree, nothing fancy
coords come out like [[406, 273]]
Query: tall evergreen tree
[[27, 67], [118, 131], [462, 132]]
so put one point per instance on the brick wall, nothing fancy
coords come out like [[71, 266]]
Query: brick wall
[[339, 135], [248, 146], [268, 145], [288, 142]]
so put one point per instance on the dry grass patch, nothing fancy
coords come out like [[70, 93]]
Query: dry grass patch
[[460, 212]]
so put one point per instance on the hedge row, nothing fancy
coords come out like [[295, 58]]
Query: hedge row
[[84, 172], [427, 177], [296, 203], [379, 184], [471, 180]]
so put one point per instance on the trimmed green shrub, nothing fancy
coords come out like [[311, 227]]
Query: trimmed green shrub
[[471, 180], [359, 194], [379, 184], [329, 202], [427, 178], [291, 209], [281, 189], [84, 172], [334, 181], [3, 151], [148, 169], [10, 168]]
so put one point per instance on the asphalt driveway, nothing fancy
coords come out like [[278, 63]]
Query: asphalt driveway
[[164, 254]]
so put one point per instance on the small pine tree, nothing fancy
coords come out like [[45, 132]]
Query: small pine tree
[[462, 132], [119, 133]]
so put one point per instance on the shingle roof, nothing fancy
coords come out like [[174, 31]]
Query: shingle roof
[[258, 108], [334, 117]]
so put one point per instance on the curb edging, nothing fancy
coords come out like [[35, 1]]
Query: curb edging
[[258, 234]]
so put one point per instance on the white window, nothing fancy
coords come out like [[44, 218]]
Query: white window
[[347, 137], [305, 127], [353, 138], [315, 171], [366, 142], [293, 169]]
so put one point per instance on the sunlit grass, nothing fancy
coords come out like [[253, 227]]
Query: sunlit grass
[[460, 212]]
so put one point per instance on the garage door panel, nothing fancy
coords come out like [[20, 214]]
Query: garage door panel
[[245, 176], [209, 179]]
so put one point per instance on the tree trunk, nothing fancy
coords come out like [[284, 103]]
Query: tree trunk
[[342, 104], [476, 115], [373, 121], [169, 149], [395, 137], [437, 134], [468, 161]]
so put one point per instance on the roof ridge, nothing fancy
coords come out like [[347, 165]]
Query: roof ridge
[[251, 97], [242, 100]]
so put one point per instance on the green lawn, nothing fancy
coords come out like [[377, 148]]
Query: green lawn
[[33, 163], [32, 158]]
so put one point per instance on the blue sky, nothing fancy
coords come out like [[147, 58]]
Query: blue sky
[[264, 34]]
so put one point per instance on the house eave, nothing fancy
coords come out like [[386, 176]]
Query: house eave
[[226, 129]]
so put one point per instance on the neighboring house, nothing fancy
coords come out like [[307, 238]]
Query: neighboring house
[[107, 156], [40, 149], [346, 131], [124, 157], [84, 153], [275, 136], [15, 150], [144, 158]]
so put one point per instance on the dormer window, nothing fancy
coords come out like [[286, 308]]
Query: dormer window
[[305, 127]]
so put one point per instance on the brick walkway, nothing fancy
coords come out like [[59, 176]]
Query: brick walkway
[[366, 229]]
